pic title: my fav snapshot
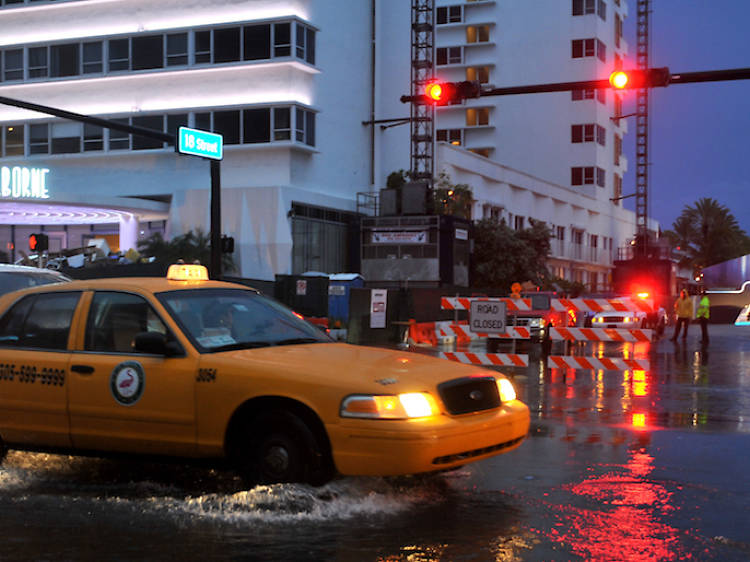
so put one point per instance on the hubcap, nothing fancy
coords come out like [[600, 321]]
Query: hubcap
[[276, 459]]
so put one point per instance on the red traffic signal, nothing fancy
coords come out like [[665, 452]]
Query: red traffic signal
[[38, 242], [650, 78], [445, 93]]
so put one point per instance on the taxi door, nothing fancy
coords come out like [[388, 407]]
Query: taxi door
[[34, 359], [121, 400]]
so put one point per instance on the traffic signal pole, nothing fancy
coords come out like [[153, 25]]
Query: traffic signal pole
[[215, 191], [649, 79]]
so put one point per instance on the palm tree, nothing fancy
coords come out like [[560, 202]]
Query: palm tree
[[708, 233]]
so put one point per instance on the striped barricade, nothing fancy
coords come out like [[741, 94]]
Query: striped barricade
[[602, 305], [495, 359], [559, 305], [601, 334], [463, 333], [597, 363], [464, 303]]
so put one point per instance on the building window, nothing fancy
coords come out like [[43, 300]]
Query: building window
[[478, 34], [256, 42], [119, 140], [38, 62], [449, 55], [600, 95], [587, 175], [14, 140], [518, 223], [177, 49], [202, 47], [617, 191], [119, 54], [39, 139], [618, 149], [153, 122], [64, 60], [282, 40], [584, 7], [282, 124], [305, 126], [618, 30], [66, 137], [452, 136], [479, 74], [589, 132], [13, 64], [256, 125], [227, 124], [477, 116], [148, 52], [305, 43], [591, 47], [227, 45], [93, 138], [93, 61], [449, 14]]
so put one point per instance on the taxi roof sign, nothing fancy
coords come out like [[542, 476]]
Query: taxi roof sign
[[187, 272]]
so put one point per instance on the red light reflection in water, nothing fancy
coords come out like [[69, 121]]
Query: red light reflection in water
[[625, 525]]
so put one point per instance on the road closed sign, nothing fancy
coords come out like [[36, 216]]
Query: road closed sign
[[487, 317]]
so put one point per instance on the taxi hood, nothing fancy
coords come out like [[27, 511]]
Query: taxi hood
[[371, 369]]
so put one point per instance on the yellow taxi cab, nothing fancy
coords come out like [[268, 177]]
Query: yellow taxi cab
[[187, 367]]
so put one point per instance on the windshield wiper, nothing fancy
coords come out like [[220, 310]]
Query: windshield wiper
[[293, 341], [241, 345]]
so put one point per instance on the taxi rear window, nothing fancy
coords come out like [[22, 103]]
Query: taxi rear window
[[39, 321]]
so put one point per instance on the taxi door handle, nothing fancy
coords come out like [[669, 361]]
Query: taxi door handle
[[83, 369]]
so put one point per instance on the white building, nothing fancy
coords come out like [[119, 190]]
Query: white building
[[289, 84]]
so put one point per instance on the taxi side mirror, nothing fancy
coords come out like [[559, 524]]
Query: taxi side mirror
[[156, 344]]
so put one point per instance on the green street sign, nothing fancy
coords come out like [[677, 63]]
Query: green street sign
[[200, 143]]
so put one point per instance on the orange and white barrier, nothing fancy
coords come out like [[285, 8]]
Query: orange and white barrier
[[601, 334], [602, 305], [598, 363], [495, 359], [559, 305], [462, 332], [464, 303]]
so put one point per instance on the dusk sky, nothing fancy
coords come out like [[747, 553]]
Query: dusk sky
[[699, 143]]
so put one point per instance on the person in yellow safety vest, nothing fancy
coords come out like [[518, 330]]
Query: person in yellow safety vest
[[702, 314], [684, 309]]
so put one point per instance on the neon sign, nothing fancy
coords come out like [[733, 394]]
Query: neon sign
[[20, 182]]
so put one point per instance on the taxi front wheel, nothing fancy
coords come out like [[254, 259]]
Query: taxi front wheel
[[281, 448]]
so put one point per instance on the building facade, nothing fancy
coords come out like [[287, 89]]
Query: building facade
[[292, 86]]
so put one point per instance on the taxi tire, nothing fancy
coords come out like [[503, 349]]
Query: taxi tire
[[281, 449]]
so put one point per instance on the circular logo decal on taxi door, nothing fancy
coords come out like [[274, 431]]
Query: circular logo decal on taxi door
[[126, 382]]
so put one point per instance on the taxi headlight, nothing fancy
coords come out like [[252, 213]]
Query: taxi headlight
[[389, 407], [507, 392]]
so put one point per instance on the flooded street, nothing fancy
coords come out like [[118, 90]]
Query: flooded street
[[620, 465]]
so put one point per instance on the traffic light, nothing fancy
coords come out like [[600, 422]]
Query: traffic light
[[38, 242], [634, 79], [446, 93], [227, 244]]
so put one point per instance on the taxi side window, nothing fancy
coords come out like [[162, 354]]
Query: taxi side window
[[116, 318], [39, 321]]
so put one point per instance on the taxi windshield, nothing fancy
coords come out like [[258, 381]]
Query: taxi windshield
[[226, 319]]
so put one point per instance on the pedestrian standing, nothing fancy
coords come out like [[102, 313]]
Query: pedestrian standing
[[683, 307], [702, 314]]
